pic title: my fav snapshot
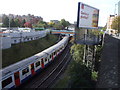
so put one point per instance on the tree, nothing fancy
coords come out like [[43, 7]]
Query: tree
[[116, 23], [79, 73], [23, 22], [64, 23], [58, 26], [41, 24], [51, 24], [5, 21], [27, 24], [17, 22], [12, 23], [77, 52]]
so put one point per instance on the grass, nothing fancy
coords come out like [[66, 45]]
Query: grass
[[24, 50]]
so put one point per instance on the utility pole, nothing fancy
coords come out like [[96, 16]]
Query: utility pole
[[9, 23]]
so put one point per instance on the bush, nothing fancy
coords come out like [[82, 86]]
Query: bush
[[80, 75]]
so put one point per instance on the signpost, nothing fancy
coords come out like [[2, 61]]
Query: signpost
[[87, 16], [87, 23]]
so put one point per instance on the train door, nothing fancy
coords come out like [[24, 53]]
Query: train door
[[56, 52], [17, 78], [52, 56], [32, 69], [42, 63]]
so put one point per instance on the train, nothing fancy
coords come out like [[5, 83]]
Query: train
[[18, 73]]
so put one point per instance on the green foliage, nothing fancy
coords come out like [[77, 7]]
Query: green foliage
[[23, 22], [17, 22], [94, 75], [58, 26], [5, 21], [80, 75], [51, 24], [98, 57], [96, 32], [116, 23], [77, 52], [64, 23], [24, 50], [12, 23], [41, 24]]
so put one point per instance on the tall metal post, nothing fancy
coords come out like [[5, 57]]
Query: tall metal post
[[9, 23]]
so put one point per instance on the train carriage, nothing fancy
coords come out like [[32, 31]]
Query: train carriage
[[18, 73]]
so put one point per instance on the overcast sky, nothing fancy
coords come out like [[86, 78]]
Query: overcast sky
[[57, 9]]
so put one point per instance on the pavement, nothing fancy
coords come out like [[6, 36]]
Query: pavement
[[109, 71]]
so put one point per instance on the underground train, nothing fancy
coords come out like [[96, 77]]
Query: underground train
[[16, 74]]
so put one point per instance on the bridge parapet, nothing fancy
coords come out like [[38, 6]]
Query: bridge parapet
[[64, 32]]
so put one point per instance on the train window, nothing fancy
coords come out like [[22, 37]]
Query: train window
[[42, 61], [6, 82], [37, 63], [50, 56], [48, 59], [61, 48], [45, 59], [54, 53], [15, 41], [24, 71]]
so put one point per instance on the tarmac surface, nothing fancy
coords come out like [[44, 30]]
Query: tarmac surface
[[109, 71]]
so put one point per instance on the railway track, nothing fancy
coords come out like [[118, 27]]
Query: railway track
[[47, 77]]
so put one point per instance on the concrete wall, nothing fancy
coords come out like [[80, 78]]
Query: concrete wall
[[5, 42], [14, 38]]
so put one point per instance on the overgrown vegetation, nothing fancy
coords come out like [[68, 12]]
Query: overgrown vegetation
[[24, 50], [78, 75], [98, 57]]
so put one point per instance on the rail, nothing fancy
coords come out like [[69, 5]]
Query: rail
[[43, 83]]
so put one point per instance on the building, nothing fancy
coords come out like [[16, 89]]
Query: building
[[55, 21], [7, 39], [119, 8], [5, 42], [109, 21]]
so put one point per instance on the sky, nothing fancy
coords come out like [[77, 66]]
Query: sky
[[57, 9]]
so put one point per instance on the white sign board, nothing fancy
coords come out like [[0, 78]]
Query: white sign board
[[87, 16]]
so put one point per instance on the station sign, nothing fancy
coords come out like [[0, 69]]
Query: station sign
[[87, 16]]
